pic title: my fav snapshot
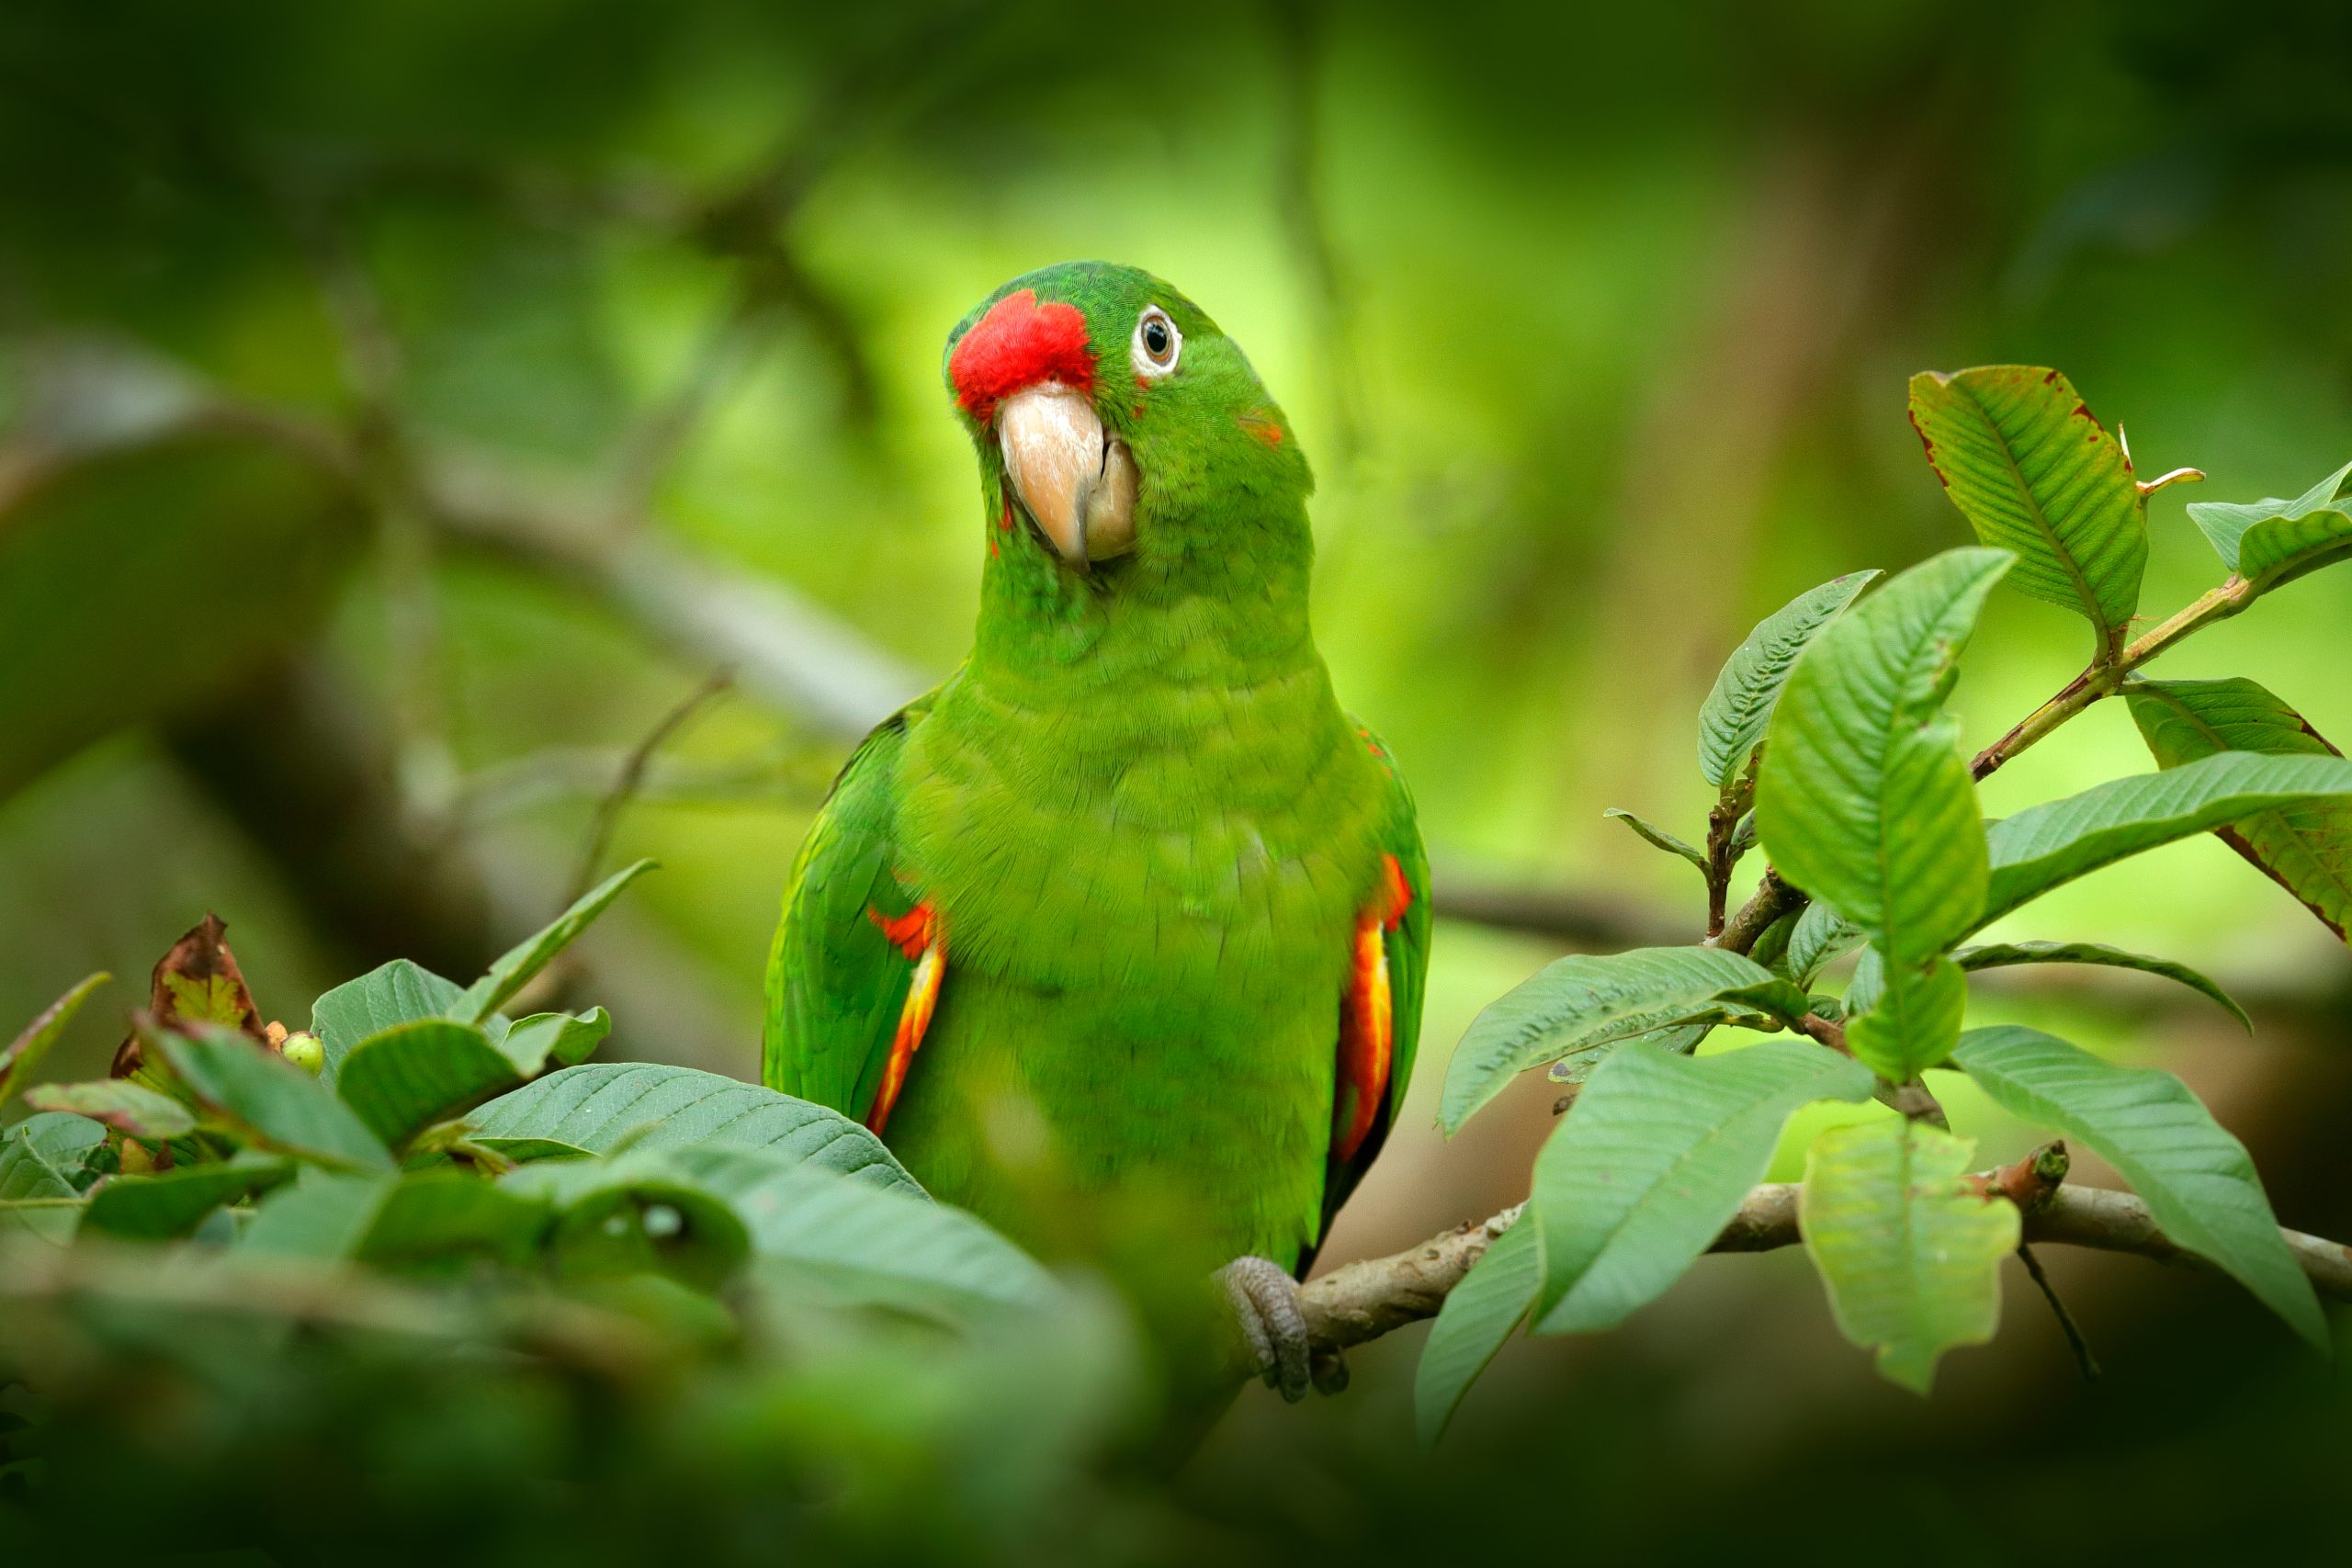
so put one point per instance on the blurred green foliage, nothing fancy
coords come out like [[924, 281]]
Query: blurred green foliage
[[1597, 327]]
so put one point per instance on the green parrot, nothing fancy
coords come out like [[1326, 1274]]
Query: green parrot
[[1118, 936]]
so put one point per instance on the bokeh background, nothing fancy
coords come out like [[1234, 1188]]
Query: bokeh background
[[406, 407]]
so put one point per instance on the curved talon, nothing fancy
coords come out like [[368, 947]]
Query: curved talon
[[1265, 1301], [1329, 1370]]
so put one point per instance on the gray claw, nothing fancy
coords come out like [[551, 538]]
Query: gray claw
[[1265, 1302]]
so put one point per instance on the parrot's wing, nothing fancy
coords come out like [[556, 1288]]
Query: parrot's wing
[[1380, 1019], [853, 970]]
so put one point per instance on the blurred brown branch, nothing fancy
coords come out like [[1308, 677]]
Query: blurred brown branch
[[1577, 919]]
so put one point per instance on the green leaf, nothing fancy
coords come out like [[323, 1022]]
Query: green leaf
[[322, 1215], [24, 1055], [1733, 719], [1868, 985], [2001, 956], [1864, 799], [523, 1151], [1914, 1022], [1682, 1039], [53, 1219], [565, 1039], [2307, 848], [1782, 1002], [1580, 1003], [170, 1204], [515, 969], [867, 1244], [118, 1102], [1479, 1314], [410, 1075], [2271, 542], [1821, 935], [68, 1143], [1911, 1256], [2048, 845], [603, 1104], [2284, 548], [2034, 473], [276, 1103], [26, 1168], [1653, 1161], [638, 1213], [396, 993], [2197, 1180], [440, 1215], [40, 1160], [1658, 837]]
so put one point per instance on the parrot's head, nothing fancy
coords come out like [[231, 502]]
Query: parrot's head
[[1118, 421]]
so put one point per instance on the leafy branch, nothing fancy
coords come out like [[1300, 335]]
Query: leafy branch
[[1827, 740]]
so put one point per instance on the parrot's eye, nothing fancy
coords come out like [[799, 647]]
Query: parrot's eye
[[1157, 344]]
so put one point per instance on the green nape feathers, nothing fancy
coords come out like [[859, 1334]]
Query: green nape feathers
[[1118, 935]]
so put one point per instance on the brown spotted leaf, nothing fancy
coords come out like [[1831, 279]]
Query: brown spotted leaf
[[2035, 474], [195, 984], [199, 982], [2305, 847]]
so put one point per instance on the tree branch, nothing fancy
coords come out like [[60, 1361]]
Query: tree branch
[[785, 650], [1772, 899], [1362, 1302], [1579, 919]]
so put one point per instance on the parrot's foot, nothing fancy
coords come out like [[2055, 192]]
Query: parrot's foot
[[1265, 1301]]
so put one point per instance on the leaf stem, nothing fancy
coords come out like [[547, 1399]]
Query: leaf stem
[[1723, 849], [2086, 1363], [1774, 897], [1913, 1099], [2103, 679]]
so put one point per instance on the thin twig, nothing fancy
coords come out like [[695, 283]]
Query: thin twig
[[2084, 1360], [632, 774], [2103, 679]]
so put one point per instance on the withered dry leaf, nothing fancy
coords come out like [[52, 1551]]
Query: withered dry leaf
[[197, 982]]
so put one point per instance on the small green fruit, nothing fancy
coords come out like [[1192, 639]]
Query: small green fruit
[[305, 1051]]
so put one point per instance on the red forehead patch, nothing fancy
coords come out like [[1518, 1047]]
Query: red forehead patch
[[1019, 343]]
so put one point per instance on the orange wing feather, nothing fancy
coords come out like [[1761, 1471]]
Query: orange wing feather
[[916, 934], [1368, 1022]]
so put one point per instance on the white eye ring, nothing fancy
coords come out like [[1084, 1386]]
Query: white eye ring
[[1150, 367]]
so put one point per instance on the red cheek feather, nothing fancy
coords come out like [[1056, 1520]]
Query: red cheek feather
[[1019, 343], [1261, 426]]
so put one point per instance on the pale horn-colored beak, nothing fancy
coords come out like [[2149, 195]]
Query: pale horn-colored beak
[[1076, 479]]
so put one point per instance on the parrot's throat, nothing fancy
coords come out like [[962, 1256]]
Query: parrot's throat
[[1212, 599]]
